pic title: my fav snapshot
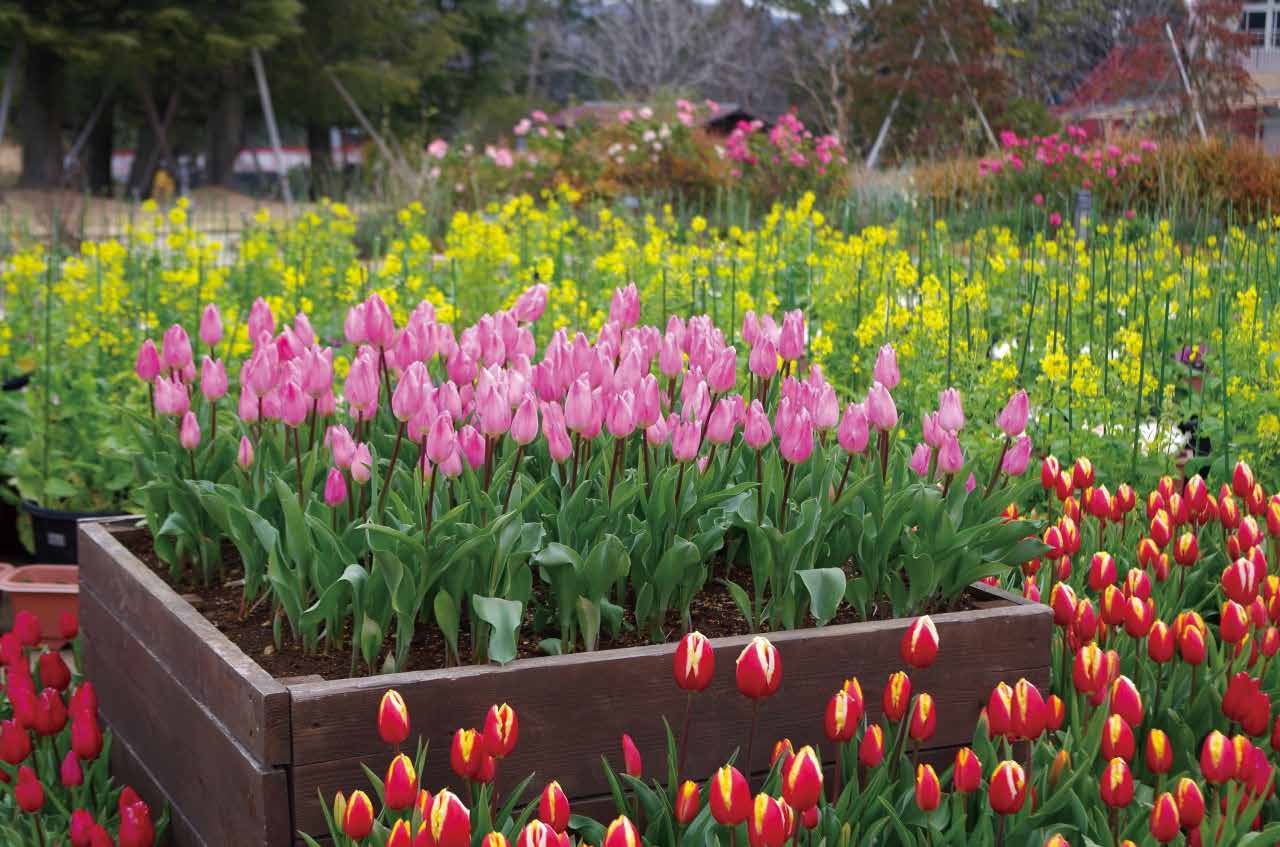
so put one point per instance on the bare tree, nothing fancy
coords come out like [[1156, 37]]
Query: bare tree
[[820, 61]]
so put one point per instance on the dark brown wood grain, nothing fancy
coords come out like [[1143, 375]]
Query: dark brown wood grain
[[127, 768], [220, 790], [574, 708], [253, 706]]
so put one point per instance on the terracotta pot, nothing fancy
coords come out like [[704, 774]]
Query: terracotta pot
[[46, 591]]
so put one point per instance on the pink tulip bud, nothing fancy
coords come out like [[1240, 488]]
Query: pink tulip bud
[[379, 327], [625, 308], [175, 354], [317, 372], [147, 365], [171, 397], [724, 371], [825, 407], [339, 440], [757, 432], [1012, 420], [335, 488], [721, 424], [1016, 460], [244, 456], [524, 426], [795, 441], [302, 329], [685, 440], [210, 326], [577, 405], [881, 411], [531, 304], [972, 483], [213, 379], [361, 463], [763, 360], [670, 356], [472, 445], [750, 328], [853, 433], [620, 417], [361, 387], [950, 456], [950, 412], [648, 401], [293, 405], [410, 394], [932, 431], [247, 408], [791, 342], [657, 433], [553, 426], [353, 326], [920, 459], [261, 371], [886, 369], [492, 406], [442, 439], [261, 321], [189, 431]]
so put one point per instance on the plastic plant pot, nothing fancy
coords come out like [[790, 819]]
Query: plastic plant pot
[[54, 532], [46, 591]]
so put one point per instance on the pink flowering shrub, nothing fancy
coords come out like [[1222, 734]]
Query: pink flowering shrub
[[786, 158]]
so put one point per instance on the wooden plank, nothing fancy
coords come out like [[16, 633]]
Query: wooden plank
[[574, 708], [253, 706], [127, 768], [227, 796]]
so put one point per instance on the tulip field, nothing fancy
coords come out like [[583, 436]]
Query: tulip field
[[563, 428]]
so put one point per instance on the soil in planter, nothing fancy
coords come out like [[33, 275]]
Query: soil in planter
[[713, 611]]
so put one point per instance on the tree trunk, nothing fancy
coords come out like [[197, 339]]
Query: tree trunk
[[139, 184], [226, 126], [41, 124], [101, 146], [321, 154]]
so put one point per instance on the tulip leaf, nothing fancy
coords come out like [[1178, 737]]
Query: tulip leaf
[[447, 618], [504, 618], [615, 788], [588, 622], [826, 587]]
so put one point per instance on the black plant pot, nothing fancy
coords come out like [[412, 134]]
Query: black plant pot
[[11, 549], [54, 532]]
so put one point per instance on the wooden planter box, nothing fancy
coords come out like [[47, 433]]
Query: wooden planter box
[[239, 756]]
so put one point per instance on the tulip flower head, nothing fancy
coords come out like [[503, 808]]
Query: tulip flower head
[[730, 799], [1164, 823], [966, 776], [553, 807], [897, 696], [694, 662], [928, 789], [758, 671], [919, 645], [631, 757], [802, 780], [688, 803], [449, 822], [401, 785], [871, 748], [393, 718], [924, 718], [501, 729], [357, 818], [1007, 791]]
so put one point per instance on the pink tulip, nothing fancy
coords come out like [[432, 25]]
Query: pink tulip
[[442, 439], [620, 417], [971, 483], [293, 405], [757, 432], [950, 411], [361, 387], [339, 441], [335, 488], [553, 426], [648, 401], [1016, 460], [302, 330], [723, 373], [685, 440], [260, 372], [881, 411], [531, 304], [379, 327], [750, 328], [147, 365], [933, 432], [763, 360], [175, 354], [492, 407], [361, 463], [317, 372], [213, 379], [189, 432], [244, 456], [171, 397], [950, 456], [720, 426], [1012, 420], [210, 326], [670, 356], [695, 399], [247, 408], [920, 459], [853, 433], [791, 341], [795, 440], [353, 326], [261, 321], [472, 445], [448, 400], [826, 408], [524, 425], [625, 308], [886, 369]]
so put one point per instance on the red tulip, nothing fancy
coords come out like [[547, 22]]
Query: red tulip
[[1126, 701], [897, 696], [501, 729], [1049, 471], [759, 669], [1116, 785], [54, 672], [84, 700], [536, 834], [1000, 710], [1243, 748], [357, 819], [840, 722], [631, 762], [694, 662], [920, 643], [928, 789], [1008, 789], [1242, 480], [70, 772], [27, 627], [466, 754], [1063, 602], [1161, 529], [51, 713], [871, 748], [924, 718], [1228, 512], [802, 780], [1117, 739], [1102, 570], [1164, 818], [393, 718], [449, 823], [688, 802], [401, 835], [1160, 644], [86, 737], [1191, 646], [729, 796], [400, 788], [15, 742], [622, 833], [553, 807], [1190, 803], [767, 823], [1085, 623], [1187, 549], [782, 750], [1114, 606], [136, 828], [1055, 713], [1028, 718], [1234, 623], [966, 777], [1140, 616], [1089, 669], [1159, 752], [80, 830], [1217, 758]]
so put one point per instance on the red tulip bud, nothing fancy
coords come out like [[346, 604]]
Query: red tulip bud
[[136, 829], [401, 784], [15, 742], [729, 796], [759, 669], [70, 772], [622, 833], [841, 722], [897, 696], [401, 835], [1049, 471], [466, 754], [1235, 623], [54, 672], [920, 643], [1191, 646], [928, 789], [924, 718], [1000, 711], [1161, 529], [1055, 713], [966, 777], [1126, 701], [802, 780], [1116, 785], [1089, 670], [1082, 473], [1164, 818], [51, 713], [449, 823], [871, 748], [1008, 789], [553, 807], [1159, 752], [694, 662], [357, 819], [1140, 616], [688, 803], [1114, 607], [1102, 570], [1190, 803], [767, 823], [1187, 549], [27, 627], [1160, 643], [393, 718], [1028, 718], [1063, 601], [1217, 758], [80, 830], [631, 757], [1117, 739], [1242, 480], [501, 729], [536, 834], [1085, 623]]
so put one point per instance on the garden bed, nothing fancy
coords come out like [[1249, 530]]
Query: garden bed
[[240, 754]]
